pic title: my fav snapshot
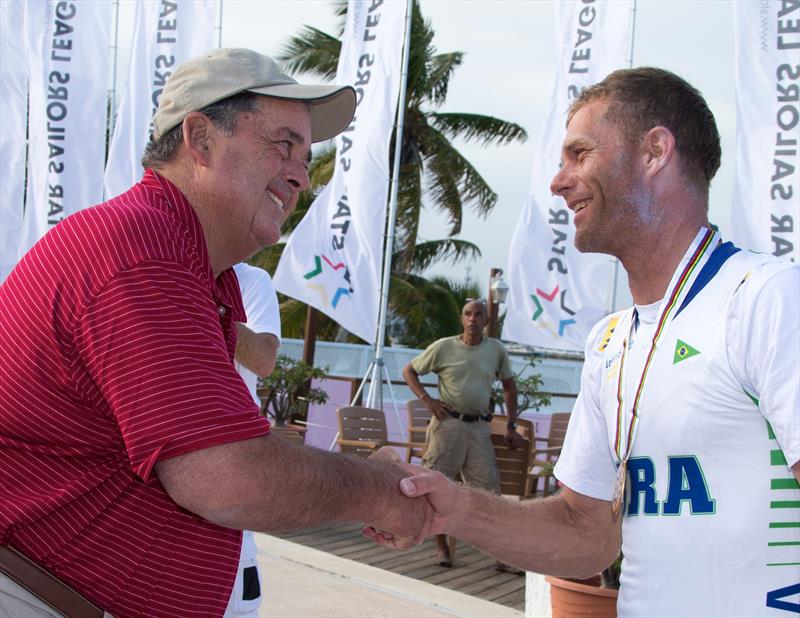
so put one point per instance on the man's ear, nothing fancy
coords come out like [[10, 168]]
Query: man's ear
[[198, 132], [658, 147]]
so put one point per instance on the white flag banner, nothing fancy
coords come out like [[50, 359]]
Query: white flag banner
[[13, 118], [333, 259], [766, 195], [67, 58], [556, 293], [165, 34]]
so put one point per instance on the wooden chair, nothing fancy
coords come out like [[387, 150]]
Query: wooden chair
[[544, 458], [418, 418], [513, 465], [362, 431], [293, 434]]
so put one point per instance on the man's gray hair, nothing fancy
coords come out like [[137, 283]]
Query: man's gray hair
[[223, 114]]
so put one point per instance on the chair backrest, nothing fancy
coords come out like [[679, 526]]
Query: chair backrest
[[418, 418], [512, 465], [558, 428], [360, 424], [524, 426]]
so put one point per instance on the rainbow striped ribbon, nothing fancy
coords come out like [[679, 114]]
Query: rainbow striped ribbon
[[671, 303]]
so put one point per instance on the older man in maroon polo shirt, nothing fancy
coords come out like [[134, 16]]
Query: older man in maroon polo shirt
[[131, 453]]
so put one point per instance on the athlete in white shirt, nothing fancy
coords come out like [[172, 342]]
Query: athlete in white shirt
[[256, 349], [684, 444]]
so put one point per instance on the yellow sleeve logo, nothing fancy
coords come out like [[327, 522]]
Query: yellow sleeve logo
[[604, 341]]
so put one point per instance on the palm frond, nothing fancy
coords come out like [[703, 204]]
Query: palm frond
[[488, 130], [312, 51], [450, 249], [444, 161], [441, 70]]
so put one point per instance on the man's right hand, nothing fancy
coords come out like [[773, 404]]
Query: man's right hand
[[401, 526], [441, 495], [437, 407]]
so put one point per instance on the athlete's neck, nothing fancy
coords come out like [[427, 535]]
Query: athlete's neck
[[651, 266]]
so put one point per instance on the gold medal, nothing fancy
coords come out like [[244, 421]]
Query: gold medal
[[619, 486]]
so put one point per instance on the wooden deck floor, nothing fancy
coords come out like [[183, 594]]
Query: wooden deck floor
[[472, 572]]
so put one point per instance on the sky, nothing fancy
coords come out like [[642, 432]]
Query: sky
[[508, 72]]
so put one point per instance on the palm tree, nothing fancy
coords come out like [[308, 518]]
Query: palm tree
[[433, 173]]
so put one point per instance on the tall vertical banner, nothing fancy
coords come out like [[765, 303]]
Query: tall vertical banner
[[766, 195], [67, 58], [165, 35], [333, 259], [556, 293], [13, 118]]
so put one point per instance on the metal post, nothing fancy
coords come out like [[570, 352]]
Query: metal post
[[375, 393], [492, 307], [219, 26]]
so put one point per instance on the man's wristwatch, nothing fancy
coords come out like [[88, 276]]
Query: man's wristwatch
[[511, 425]]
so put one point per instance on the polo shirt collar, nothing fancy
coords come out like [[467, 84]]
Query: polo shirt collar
[[224, 288]]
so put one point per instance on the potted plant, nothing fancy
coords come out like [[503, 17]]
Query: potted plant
[[596, 596], [287, 391], [529, 390]]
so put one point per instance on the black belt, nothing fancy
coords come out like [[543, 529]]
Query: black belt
[[469, 418]]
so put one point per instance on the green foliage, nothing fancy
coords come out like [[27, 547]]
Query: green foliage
[[529, 393], [284, 390], [433, 174], [610, 575]]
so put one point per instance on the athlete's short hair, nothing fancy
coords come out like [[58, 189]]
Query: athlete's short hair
[[642, 98]]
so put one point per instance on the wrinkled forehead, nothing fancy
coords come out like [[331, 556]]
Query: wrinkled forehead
[[474, 307]]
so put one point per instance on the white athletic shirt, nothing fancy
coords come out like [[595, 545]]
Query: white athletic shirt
[[263, 316], [712, 513]]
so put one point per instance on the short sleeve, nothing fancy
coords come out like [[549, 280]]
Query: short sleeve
[[586, 464], [152, 344], [763, 344], [260, 300], [505, 370], [427, 361]]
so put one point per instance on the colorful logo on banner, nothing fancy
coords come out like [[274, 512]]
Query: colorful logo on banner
[[341, 280], [543, 318]]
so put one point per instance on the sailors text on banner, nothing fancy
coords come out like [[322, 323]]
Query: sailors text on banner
[[13, 113], [166, 34], [333, 259], [67, 58], [556, 293], [766, 196]]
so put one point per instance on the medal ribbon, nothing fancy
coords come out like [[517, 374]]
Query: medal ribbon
[[671, 302]]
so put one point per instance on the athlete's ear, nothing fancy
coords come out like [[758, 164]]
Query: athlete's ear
[[658, 150]]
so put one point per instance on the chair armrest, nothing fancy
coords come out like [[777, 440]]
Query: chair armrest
[[373, 444], [400, 444], [549, 449]]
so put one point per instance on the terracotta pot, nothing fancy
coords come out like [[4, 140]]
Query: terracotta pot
[[572, 599]]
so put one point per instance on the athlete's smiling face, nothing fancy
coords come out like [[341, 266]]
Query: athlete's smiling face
[[600, 181]]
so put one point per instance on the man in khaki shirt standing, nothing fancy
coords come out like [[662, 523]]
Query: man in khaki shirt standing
[[459, 434]]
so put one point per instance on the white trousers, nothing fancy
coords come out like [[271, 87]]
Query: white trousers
[[17, 602]]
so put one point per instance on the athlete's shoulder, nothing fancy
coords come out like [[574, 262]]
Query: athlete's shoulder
[[601, 333], [758, 271]]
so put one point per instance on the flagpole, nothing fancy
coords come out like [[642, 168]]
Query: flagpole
[[615, 271], [375, 393], [219, 26], [111, 118]]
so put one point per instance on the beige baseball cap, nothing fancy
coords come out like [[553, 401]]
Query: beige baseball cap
[[222, 73]]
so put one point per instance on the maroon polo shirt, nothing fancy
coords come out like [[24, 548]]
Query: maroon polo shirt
[[117, 352]]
